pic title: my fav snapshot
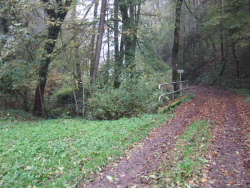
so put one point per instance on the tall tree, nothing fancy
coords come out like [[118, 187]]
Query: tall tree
[[4, 17], [56, 13], [118, 62], [99, 39], [130, 12], [176, 45], [125, 49], [92, 44], [223, 55]]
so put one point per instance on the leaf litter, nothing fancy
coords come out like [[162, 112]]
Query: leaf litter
[[228, 162]]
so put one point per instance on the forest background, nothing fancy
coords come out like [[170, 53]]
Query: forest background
[[101, 59]]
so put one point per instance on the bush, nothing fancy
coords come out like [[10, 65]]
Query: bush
[[15, 115], [247, 99], [134, 97], [65, 96], [246, 92]]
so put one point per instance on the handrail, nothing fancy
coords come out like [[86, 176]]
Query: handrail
[[172, 92], [175, 91], [172, 83]]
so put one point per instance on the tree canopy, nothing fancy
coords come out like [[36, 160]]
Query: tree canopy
[[80, 57]]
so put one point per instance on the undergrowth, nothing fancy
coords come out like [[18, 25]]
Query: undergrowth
[[183, 168], [245, 92], [133, 98], [61, 153], [12, 115]]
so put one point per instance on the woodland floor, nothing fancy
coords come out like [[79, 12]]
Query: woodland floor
[[229, 157]]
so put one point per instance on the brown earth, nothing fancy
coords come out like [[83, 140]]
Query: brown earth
[[229, 158]]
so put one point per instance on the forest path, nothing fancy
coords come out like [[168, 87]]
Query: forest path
[[229, 156]]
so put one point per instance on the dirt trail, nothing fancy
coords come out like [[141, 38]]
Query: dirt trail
[[229, 155]]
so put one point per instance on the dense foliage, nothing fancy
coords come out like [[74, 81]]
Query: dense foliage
[[72, 61], [52, 46], [131, 99]]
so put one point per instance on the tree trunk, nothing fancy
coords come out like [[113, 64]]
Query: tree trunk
[[223, 58], [118, 62], [176, 45], [99, 40], [129, 30], [183, 46], [74, 94], [56, 17], [83, 98], [236, 59], [77, 51], [92, 48]]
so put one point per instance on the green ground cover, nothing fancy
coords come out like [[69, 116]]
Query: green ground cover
[[183, 168], [61, 152], [245, 92]]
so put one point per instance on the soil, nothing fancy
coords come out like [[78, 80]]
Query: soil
[[229, 158]]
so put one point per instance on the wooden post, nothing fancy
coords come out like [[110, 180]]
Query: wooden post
[[180, 71], [181, 88], [173, 91]]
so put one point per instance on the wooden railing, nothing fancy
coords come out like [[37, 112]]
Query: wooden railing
[[167, 89]]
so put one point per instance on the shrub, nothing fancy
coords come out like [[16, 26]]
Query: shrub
[[15, 115], [134, 97], [65, 96], [247, 99], [246, 92]]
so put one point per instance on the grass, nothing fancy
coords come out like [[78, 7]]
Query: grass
[[61, 153], [247, 99], [245, 92], [183, 168]]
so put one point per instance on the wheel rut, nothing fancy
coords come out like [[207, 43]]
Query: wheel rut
[[225, 168]]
